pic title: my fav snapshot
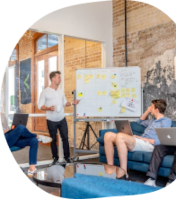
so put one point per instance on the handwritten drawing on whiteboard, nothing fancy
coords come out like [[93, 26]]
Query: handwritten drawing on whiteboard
[[131, 104], [103, 90]]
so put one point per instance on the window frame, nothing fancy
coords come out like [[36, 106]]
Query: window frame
[[44, 51]]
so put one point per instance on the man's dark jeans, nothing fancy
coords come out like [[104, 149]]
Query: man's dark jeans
[[157, 157], [21, 137], [63, 129]]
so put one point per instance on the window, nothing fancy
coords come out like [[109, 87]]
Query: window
[[41, 43], [52, 65], [11, 89], [13, 56], [52, 40], [40, 74], [46, 41]]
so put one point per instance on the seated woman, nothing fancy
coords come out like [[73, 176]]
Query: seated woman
[[21, 137]]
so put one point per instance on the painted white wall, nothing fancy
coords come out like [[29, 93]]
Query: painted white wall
[[88, 21]]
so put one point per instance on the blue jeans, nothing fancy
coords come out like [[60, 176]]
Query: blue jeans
[[21, 137]]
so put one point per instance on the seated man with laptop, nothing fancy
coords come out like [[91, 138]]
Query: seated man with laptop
[[125, 141], [19, 136], [167, 137]]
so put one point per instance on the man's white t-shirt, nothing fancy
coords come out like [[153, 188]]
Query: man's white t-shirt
[[51, 97]]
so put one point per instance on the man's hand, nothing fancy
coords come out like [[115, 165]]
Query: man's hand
[[136, 136], [147, 112], [6, 131], [76, 102], [149, 109], [151, 141], [52, 108]]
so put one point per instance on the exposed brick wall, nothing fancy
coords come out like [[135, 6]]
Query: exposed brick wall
[[140, 17], [79, 54], [150, 36], [25, 52]]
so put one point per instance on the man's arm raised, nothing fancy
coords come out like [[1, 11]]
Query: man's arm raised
[[144, 116]]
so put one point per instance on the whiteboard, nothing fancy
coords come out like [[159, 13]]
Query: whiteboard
[[103, 90]]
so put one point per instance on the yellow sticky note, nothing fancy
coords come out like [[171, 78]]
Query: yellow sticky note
[[117, 95], [79, 76], [134, 96], [99, 93], [80, 94], [98, 76], [86, 76], [100, 109], [104, 93], [128, 95], [114, 85], [114, 101], [123, 110], [133, 90], [112, 92], [123, 90], [113, 76], [100, 173], [90, 76], [117, 92], [123, 95], [127, 90], [103, 76], [86, 81]]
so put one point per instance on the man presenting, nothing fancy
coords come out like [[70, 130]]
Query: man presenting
[[146, 142], [52, 100]]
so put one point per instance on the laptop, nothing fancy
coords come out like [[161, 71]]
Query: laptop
[[20, 119], [123, 126], [166, 136]]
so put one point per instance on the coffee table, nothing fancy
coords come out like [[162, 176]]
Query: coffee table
[[53, 176]]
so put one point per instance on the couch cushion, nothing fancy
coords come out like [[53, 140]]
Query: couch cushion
[[167, 160], [121, 186], [137, 127], [173, 124], [78, 188], [134, 156], [15, 148], [101, 140]]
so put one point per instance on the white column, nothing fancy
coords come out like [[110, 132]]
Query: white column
[[61, 69]]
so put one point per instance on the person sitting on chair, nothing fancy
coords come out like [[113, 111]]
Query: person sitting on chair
[[146, 142], [157, 157], [21, 137]]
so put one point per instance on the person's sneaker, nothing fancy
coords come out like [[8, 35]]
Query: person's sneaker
[[68, 160], [53, 163], [150, 182], [168, 183], [31, 173], [44, 139]]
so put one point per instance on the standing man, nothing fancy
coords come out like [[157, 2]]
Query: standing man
[[52, 100]]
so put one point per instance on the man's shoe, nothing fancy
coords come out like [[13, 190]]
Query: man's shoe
[[31, 173], [53, 163], [124, 177], [44, 139], [150, 182], [169, 182], [68, 160]]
